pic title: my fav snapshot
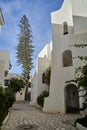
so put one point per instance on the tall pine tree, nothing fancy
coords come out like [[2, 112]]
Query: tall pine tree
[[24, 50]]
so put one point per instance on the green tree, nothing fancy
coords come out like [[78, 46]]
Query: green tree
[[16, 85], [25, 50]]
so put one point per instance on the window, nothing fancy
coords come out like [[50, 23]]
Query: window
[[65, 28], [67, 58], [6, 82]]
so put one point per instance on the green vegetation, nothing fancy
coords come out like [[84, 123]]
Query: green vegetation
[[25, 50], [82, 121], [40, 98], [47, 75], [81, 76], [7, 96], [6, 100], [16, 85], [81, 81]]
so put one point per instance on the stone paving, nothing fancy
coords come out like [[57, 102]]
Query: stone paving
[[23, 114]]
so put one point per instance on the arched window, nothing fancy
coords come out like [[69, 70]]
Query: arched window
[[65, 28], [67, 58]]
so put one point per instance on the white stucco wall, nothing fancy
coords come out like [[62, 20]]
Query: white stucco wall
[[5, 55], [43, 62], [79, 7], [46, 51], [34, 85], [59, 74], [58, 17], [2, 66], [20, 96]]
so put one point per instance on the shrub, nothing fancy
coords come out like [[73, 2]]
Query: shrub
[[3, 110], [82, 121], [46, 76], [10, 97], [40, 98], [16, 85], [6, 101]]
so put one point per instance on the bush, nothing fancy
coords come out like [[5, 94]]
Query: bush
[[47, 75], [40, 98], [3, 110], [10, 97], [6, 101], [82, 121], [16, 85]]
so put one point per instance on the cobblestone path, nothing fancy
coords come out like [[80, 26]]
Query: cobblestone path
[[23, 113]]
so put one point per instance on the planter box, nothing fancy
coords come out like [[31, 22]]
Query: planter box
[[80, 127]]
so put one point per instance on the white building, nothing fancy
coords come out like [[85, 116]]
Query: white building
[[4, 57], [1, 19], [69, 27], [43, 62], [4, 65]]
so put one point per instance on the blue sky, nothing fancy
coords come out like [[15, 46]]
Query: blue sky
[[38, 13]]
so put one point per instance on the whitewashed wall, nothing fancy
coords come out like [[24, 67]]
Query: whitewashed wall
[[34, 84], [77, 34], [5, 55], [43, 62], [20, 96], [4, 64]]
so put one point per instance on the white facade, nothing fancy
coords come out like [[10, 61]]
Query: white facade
[[1, 19], [4, 65], [74, 14], [43, 62], [4, 56], [20, 96]]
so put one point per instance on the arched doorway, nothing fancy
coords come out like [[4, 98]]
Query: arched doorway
[[71, 99]]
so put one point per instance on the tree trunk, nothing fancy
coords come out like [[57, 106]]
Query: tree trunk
[[27, 94]]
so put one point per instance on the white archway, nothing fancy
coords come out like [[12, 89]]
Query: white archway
[[71, 98]]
